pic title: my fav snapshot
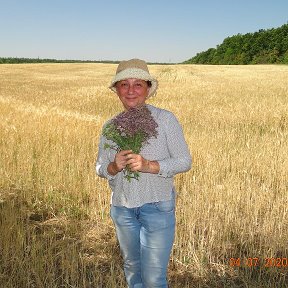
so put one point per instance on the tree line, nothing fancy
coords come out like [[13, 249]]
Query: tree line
[[263, 47], [16, 60]]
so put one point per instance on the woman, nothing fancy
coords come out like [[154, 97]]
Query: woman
[[143, 209]]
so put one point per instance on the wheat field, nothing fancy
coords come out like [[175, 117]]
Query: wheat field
[[232, 207]]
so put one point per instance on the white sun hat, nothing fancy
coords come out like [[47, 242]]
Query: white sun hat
[[137, 69]]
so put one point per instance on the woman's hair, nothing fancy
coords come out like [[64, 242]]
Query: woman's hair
[[149, 83]]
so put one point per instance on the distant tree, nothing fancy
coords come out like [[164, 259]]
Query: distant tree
[[262, 47]]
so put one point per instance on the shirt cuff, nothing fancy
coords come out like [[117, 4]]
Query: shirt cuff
[[163, 171], [104, 172]]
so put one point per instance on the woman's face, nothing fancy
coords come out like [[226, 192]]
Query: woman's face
[[132, 92]]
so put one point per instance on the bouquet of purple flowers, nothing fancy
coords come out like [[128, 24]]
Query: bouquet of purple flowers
[[131, 130]]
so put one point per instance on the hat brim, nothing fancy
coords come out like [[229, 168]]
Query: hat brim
[[136, 74]]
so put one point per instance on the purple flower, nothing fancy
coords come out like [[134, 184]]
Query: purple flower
[[130, 130], [136, 120]]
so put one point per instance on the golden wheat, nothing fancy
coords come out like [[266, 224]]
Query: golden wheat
[[55, 225]]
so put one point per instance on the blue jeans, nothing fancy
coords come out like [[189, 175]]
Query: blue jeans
[[146, 236]]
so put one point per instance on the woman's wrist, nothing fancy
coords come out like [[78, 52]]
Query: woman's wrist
[[112, 169], [147, 166], [152, 167]]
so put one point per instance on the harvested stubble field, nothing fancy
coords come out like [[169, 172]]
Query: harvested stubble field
[[54, 210]]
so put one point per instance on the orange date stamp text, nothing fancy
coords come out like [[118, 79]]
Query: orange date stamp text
[[267, 262]]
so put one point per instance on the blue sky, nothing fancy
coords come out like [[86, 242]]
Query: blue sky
[[153, 30]]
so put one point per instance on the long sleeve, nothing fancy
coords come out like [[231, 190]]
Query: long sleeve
[[180, 159], [105, 156]]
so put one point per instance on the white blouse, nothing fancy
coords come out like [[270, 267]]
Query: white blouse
[[169, 149]]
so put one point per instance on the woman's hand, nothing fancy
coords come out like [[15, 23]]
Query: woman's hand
[[137, 163], [120, 162], [121, 159]]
